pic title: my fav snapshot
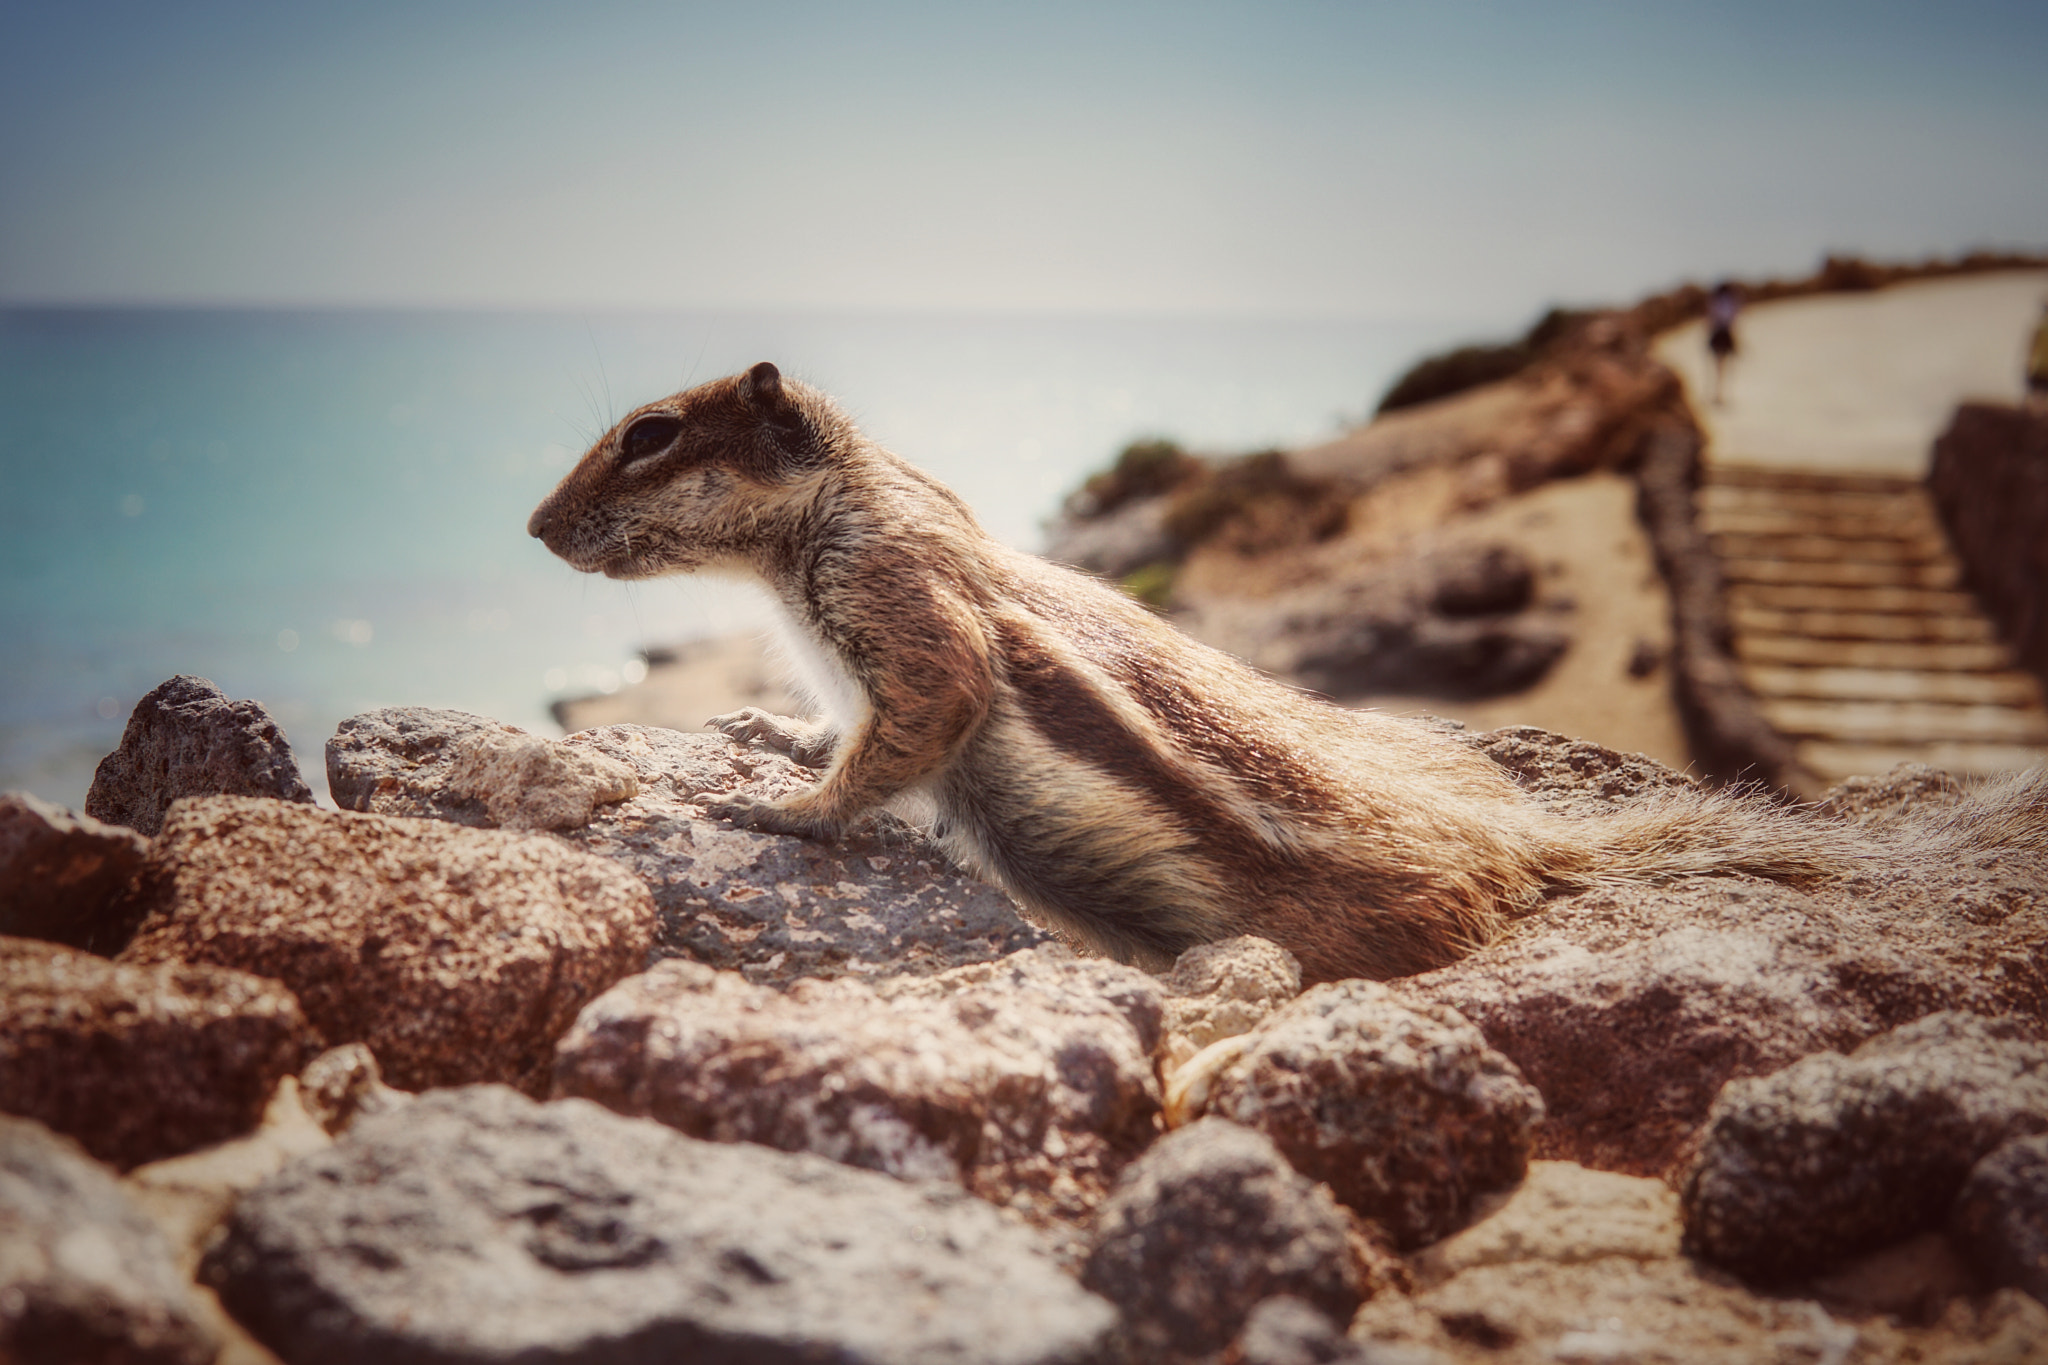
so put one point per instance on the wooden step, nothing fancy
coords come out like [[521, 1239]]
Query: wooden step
[[1841, 573], [1756, 646], [1833, 549], [1883, 508], [1900, 685], [1971, 629], [1920, 525], [1731, 471], [1815, 597], [1853, 628], [1832, 760], [1903, 723]]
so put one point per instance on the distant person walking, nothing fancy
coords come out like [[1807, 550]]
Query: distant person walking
[[1722, 306], [2037, 361]]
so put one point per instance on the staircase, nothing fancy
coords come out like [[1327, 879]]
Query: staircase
[[1854, 631]]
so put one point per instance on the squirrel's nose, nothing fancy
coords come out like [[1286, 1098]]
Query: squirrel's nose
[[537, 524]]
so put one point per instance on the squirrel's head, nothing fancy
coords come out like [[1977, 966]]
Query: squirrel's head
[[693, 480]]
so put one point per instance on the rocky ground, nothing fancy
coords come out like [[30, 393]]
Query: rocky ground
[[520, 1057]]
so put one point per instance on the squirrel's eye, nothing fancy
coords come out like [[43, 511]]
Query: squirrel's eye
[[648, 436]]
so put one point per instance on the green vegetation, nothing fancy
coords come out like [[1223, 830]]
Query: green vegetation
[[1153, 584], [1142, 469], [1467, 367]]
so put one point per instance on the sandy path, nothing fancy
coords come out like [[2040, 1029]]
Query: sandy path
[[1860, 383]]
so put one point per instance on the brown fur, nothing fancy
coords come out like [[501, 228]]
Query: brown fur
[[1119, 779]]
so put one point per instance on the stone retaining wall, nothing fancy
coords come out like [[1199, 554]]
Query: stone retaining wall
[[1990, 480]]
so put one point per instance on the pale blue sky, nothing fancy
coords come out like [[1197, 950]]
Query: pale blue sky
[[1282, 157]]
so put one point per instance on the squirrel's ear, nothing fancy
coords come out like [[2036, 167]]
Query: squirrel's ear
[[763, 384]]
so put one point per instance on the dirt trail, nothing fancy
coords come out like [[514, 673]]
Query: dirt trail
[[1860, 383]]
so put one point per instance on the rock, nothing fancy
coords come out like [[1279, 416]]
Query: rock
[[1562, 1213], [1219, 990], [62, 876], [188, 1196], [140, 1062], [450, 765], [1204, 1227], [85, 1277], [455, 954], [1028, 1079], [1835, 1156], [478, 1226], [1404, 1111], [185, 738], [1914, 1281], [1448, 621], [771, 907], [397, 760], [1285, 1330], [1659, 1312], [1629, 1007], [1118, 542], [1989, 478], [527, 782], [1580, 1265], [2001, 1216], [1573, 776], [344, 1084], [1909, 790]]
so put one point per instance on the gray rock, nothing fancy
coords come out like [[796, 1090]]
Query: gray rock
[[468, 770], [1630, 1006], [2001, 1217], [477, 1226], [1208, 1224], [773, 908], [1572, 775], [185, 738], [1117, 542], [1285, 1330], [1451, 621], [62, 876], [344, 1084], [396, 761], [139, 1063], [526, 782], [1908, 791], [85, 1277], [1839, 1155], [1404, 1111], [1219, 990], [1030, 1079], [456, 954]]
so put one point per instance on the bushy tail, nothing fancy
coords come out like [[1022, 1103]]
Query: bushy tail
[[2005, 812], [1688, 833], [1681, 833]]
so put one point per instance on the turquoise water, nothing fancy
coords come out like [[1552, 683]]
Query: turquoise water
[[326, 511]]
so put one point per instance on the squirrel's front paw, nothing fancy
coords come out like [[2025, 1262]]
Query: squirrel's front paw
[[763, 816], [750, 725], [808, 743]]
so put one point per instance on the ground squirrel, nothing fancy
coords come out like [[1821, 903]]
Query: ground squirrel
[[1135, 788]]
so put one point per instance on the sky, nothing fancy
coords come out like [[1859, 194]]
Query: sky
[[1286, 158]]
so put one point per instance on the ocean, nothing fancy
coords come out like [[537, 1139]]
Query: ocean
[[326, 511]]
